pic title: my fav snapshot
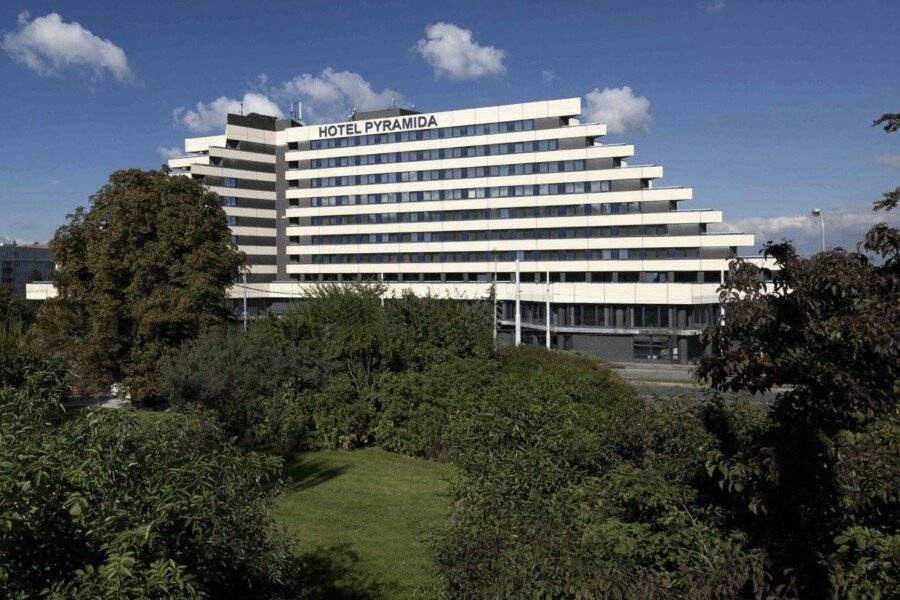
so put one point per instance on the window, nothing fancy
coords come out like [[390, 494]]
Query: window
[[712, 277], [229, 182], [229, 201], [685, 276], [651, 348], [231, 220]]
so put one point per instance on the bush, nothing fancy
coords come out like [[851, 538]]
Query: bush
[[427, 330], [312, 377], [572, 487], [18, 361], [132, 505], [415, 409], [236, 373]]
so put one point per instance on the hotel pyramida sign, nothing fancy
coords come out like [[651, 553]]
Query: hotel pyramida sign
[[404, 123]]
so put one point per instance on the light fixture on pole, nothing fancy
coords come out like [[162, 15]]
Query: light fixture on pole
[[547, 311], [817, 212], [518, 305], [244, 280]]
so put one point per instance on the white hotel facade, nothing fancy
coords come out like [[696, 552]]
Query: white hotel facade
[[447, 203]]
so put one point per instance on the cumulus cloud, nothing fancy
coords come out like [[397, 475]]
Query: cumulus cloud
[[451, 51], [168, 153], [618, 108], [47, 45], [844, 227], [548, 75], [890, 160], [331, 95], [212, 116]]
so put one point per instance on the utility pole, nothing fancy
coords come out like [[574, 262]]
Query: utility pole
[[245, 299], [518, 306], [495, 298], [547, 310]]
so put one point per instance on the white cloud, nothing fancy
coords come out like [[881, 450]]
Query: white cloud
[[844, 227], [169, 152], [5, 239], [48, 45], [889, 160], [212, 116], [618, 108], [714, 6], [331, 95], [548, 75], [451, 51]]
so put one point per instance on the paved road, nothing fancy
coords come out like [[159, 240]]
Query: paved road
[[654, 381], [651, 372]]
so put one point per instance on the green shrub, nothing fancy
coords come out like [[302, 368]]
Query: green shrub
[[427, 330], [572, 487], [416, 408], [125, 504], [341, 415], [236, 373], [18, 361], [314, 377]]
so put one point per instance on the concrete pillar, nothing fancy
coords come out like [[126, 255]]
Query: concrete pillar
[[682, 350]]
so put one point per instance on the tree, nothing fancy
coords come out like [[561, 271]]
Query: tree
[[140, 272], [890, 121], [818, 487]]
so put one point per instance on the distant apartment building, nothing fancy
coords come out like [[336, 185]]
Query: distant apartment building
[[596, 256], [21, 264]]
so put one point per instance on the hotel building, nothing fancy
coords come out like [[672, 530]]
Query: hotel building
[[448, 202]]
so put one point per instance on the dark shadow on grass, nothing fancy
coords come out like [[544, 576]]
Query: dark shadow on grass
[[302, 473], [334, 574]]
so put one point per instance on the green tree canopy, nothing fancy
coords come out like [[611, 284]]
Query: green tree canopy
[[818, 489], [142, 270]]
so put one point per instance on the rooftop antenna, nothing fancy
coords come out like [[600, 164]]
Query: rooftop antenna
[[242, 109], [393, 101], [352, 112]]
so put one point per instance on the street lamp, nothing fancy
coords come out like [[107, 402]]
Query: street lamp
[[817, 212]]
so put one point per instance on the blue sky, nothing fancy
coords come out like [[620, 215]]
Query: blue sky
[[763, 107]]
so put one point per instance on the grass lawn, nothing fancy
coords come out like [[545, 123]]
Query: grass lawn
[[383, 505]]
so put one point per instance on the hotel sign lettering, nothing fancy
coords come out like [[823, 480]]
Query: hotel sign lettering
[[405, 123]]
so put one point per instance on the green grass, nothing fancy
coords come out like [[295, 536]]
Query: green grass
[[383, 505]]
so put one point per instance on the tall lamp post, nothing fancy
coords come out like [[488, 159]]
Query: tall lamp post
[[817, 212], [244, 280]]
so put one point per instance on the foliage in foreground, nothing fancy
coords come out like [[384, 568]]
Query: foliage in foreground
[[572, 487], [819, 487], [125, 504], [140, 272]]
